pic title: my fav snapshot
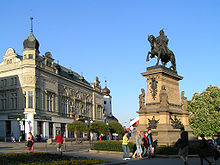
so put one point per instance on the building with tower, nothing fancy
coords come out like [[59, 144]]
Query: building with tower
[[107, 106], [40, 96]]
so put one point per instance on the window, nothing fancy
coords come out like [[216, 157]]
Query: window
[[64, 105], [12, 81], [13, 100], [5, 82], [15, 81], [3, 101], [2, 83], [104, 102], [30, 56], [50, 102], [30, 99], [24, 100], [37, 100]]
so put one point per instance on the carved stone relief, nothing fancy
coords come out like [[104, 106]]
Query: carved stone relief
[[153, 87], [176, 123], [153, 123]]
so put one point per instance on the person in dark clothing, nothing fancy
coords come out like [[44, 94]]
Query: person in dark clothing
[[183, 146], [150, 141], [145, 144], [203, 150]]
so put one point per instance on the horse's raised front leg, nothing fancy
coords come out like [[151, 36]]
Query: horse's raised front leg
[[148, 56]]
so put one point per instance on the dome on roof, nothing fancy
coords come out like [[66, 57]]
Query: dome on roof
[[106, 91], [31, 42]]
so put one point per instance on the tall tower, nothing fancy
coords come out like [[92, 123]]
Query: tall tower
[[30, 56], [107, 101]]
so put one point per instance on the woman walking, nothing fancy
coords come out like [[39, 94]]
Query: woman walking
[[30, 142], [125, 147]]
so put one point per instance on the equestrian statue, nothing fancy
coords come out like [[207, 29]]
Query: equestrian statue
[[159, 48]]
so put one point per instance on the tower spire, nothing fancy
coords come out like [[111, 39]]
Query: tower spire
[[106, 83], [31, 18]]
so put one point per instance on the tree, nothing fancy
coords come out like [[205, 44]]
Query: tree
[[77, 127], [99, 128], [115, 127], [205, 109]]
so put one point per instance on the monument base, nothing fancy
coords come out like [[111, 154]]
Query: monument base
[[163, 111]]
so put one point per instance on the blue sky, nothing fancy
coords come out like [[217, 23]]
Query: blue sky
[[108, 39]]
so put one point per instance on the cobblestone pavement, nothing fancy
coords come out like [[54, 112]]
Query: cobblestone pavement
[[81, 150]]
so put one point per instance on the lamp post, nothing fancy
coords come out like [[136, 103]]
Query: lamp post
[[89, 136], [19, 127]]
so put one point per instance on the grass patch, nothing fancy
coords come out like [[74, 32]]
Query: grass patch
[[44, 159]]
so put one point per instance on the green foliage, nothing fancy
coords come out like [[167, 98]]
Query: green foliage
[[28, 158], [109, 145], [38, 158], [77, 127], [162, 150], [115, 127], [206, 112], [99, 128]]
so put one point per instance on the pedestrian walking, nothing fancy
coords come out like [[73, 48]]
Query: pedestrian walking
[[29, 142], [125, 146], [145, 144], [150, 141], [12, 138], [203, 150], [59, 142], [138, 144], [216, 152], [183, 146]]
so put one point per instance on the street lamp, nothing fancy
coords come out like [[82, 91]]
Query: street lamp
[[19, 128]]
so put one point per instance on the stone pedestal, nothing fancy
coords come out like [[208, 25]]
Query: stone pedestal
[[163, 110]]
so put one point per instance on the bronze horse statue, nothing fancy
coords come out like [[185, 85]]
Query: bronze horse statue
[[162, 52]]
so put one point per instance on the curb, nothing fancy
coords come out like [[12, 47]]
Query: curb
[[157, 155]]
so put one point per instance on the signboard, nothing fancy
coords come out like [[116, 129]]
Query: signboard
[[38, 117], [16, 116]]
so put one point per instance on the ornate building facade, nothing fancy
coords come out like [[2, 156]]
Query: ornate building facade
[[40, 96]]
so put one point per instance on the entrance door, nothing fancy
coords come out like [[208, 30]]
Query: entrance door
[[8, 128], [50, 130], [39, 127], [63, 129]]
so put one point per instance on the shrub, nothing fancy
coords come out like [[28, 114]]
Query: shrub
[[163, 150], [109, 145]]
